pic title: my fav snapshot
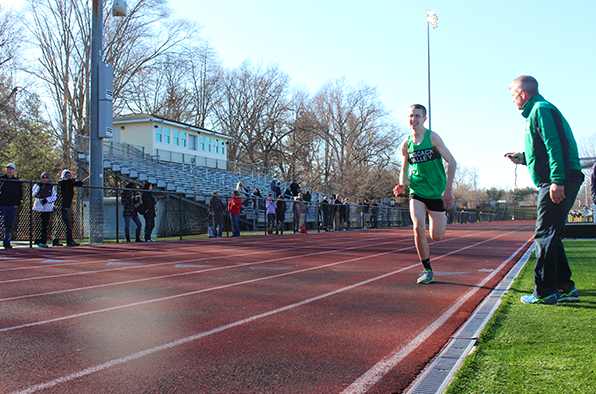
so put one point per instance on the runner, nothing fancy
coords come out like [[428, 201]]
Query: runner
[[430, 187]]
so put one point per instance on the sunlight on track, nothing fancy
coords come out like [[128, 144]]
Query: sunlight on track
[[361, 385]]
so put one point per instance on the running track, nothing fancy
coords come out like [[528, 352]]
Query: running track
[[316, 313]]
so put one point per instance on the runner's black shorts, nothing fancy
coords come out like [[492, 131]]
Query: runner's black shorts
[[432, 204]]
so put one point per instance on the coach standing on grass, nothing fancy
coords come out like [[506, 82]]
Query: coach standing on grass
[[553, 161]]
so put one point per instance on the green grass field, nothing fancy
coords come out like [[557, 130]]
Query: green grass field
[[538, 349]]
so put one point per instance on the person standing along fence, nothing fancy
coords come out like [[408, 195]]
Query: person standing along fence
[[234, 207], [130, 201], [11, 195], [148, 210], [45, 195], [63, 204]]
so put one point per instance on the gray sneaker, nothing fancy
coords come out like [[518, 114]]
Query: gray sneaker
[[425, 277]]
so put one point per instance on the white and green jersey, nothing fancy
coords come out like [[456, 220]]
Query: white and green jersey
[[428, 179]]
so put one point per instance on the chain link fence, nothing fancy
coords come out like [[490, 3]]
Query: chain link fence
[[182, 215]]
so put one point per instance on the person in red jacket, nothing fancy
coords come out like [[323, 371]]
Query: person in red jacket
[[234, 206]]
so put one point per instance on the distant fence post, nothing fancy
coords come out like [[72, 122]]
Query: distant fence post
[[180, 213]]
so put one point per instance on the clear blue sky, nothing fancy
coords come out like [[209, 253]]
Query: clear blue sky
[[477, 50]]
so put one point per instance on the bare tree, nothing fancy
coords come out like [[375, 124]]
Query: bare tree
[[62, 34], [358, 138], [587, 146], [9, 38], [161, 90], [206, 74], [255, 109]]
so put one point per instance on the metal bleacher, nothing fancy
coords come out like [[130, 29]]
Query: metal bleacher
[[196, 182]]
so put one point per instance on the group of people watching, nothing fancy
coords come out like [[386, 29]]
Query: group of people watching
[[48, 199], [135, 205], [334, 211], [55, 200]]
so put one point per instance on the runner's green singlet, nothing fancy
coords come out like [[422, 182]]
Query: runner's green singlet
[[428, 179]]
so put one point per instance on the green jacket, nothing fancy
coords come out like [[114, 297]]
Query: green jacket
[[550, 148]]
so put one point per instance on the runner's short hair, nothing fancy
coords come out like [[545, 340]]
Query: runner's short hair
[[420, 107]]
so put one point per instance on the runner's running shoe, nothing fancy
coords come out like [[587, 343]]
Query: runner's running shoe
[[425, 277], [572, 296], [531, 299]]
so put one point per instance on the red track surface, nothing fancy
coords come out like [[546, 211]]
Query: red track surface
[[315, 313]]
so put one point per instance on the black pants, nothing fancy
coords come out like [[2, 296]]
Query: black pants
[[42, 232], [65, 215], [149, 225]]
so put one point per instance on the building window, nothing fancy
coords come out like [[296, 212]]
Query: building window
[[216, 145], [202, 142], [192, 142], [166, 135], [176, 137], [223, 148], [208, 143], [158, 136], [183, 139]]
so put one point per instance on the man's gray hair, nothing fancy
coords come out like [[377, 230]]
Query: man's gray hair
[[527, 83]]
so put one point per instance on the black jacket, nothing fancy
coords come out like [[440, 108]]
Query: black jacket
[[11, 192], [280, 210], [148, 204], [217, 208], [66, 192]]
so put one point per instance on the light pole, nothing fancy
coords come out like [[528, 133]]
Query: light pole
[[100, 119], [431, 19]]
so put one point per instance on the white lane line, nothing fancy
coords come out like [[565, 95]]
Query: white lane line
[[156, 253], [191, 266], [204, 334], [38, 323], [379, 370], [436, 377], [150, 265], [194, 272]]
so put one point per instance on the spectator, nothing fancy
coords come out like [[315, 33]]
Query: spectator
[[234, 207], [306, 196], [296, 214], [374, 213], [359, 214], [45, 195], [274, 186], [211, 230], [148, 209], [294, 188], [271, 207], [130, 201], [217, 207], [288, 194], [277, 191], [65, 195], [243, 189], [327, 214], [365, 214], [345, 213], [258, 199], [11, 195], [337, 213], [280, 214]]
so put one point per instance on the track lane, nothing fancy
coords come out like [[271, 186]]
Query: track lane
[[377, 281]]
